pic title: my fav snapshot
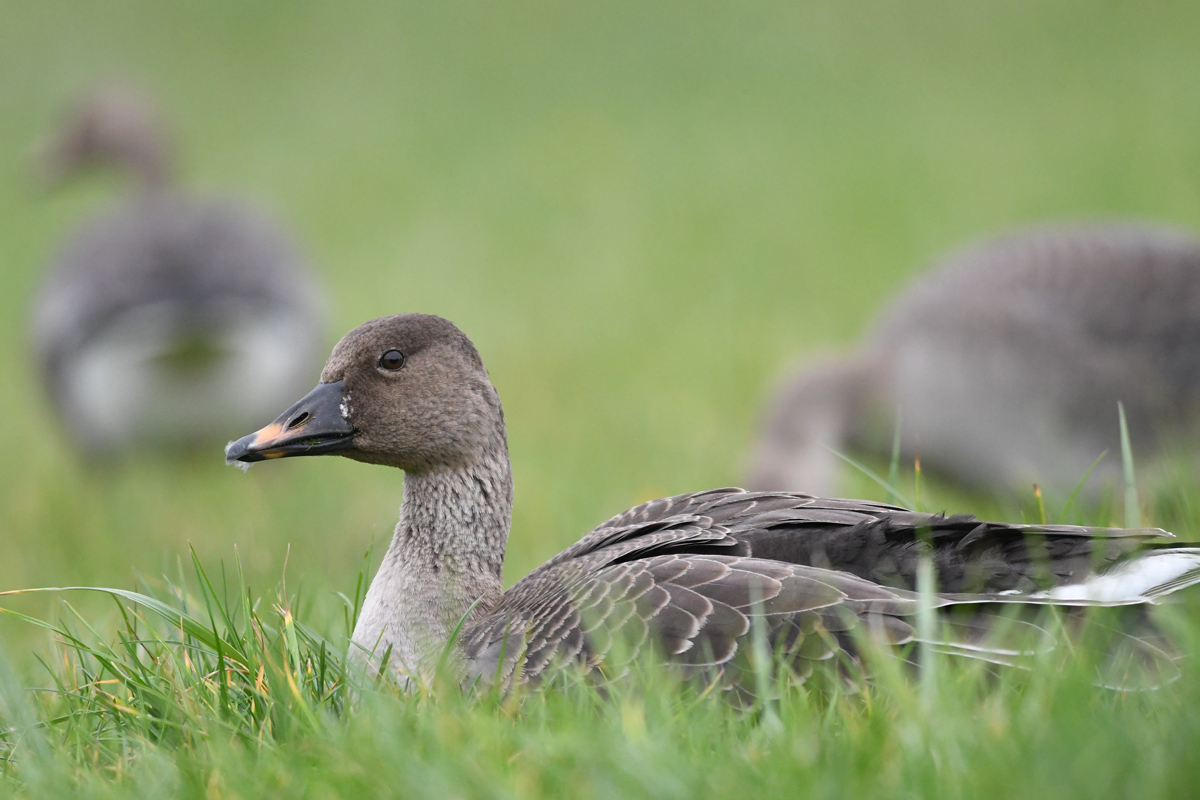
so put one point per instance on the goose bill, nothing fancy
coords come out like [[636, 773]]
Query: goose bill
[[312, 427]]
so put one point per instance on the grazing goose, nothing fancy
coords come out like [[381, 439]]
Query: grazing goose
[[170, 319], [688, 572], [1005, 366]]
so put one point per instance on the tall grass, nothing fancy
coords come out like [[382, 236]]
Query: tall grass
[[195, 663], [208, 691]]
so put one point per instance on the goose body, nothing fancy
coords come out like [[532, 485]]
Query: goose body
[[1004, 366], [689, 574], [171, 318]]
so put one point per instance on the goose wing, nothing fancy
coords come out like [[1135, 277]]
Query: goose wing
[[879, 542], [698, 609], [691, 574]]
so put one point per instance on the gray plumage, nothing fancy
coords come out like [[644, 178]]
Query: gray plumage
[[170, 318], [1006, 364], [688, 574]]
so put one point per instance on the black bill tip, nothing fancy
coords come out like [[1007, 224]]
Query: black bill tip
[[316, 425]]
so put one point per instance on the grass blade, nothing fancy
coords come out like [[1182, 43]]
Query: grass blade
[[865, 470], [1133, 514], [894, 464]]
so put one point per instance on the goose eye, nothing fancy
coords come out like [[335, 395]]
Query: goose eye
[[392, 359]]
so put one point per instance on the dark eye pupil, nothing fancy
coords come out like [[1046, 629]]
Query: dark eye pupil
[[392, 359]]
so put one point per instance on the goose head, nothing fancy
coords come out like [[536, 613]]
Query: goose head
[[408, 391], [115, 126]]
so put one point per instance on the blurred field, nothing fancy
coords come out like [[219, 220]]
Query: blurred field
[[640, 213]]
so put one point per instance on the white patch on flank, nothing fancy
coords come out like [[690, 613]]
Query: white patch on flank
[[116, 390], [1134, 580]]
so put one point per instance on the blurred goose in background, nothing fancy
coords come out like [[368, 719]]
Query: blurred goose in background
[[1004, 366], [171, 319], [688, 574]]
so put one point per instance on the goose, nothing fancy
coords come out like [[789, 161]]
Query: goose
[[170, 319], [1004, 366], [689, 574]]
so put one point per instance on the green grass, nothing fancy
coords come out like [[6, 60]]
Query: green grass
[[214, 692], [641, 214]]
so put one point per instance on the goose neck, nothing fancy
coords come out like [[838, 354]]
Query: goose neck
[[456, 521], [444, 559]]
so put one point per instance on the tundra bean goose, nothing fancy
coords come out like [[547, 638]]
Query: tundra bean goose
[[170, 318], [688, 572], [1005, 366]]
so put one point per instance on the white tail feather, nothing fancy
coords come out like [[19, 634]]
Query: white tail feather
[[1142, 579]]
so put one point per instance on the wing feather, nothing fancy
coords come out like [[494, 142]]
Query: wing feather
[[690, 574]]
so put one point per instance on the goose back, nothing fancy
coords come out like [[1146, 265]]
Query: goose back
[[1004, 366], [689, 574], [171, 318]]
